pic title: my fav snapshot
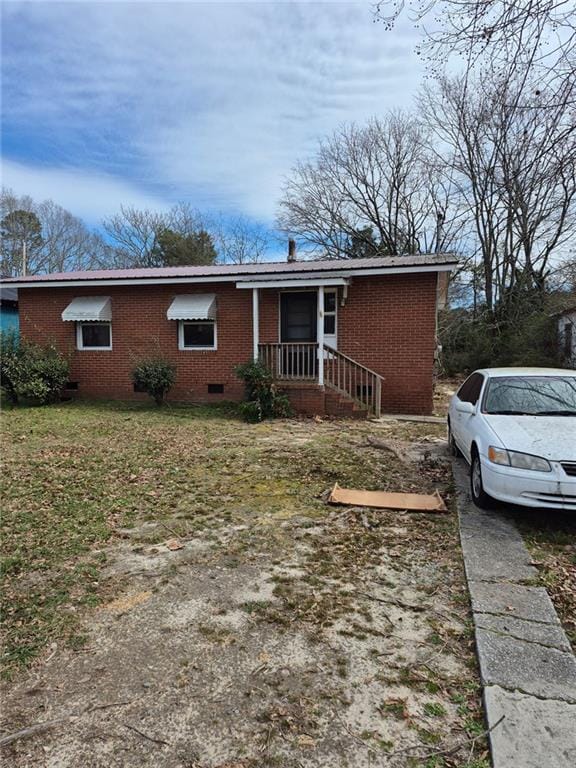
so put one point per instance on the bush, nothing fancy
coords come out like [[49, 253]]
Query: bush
[[264, 401], [484, 341], [11, 353], [30, 371], [154, 376], [467, 343]]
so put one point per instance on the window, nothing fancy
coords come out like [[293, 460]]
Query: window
[[469, 392], [197, 334], [329, 313], [215, 389], [531, 395], [94, 335]]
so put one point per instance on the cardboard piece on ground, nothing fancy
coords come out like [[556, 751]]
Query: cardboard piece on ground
[[414, 502]]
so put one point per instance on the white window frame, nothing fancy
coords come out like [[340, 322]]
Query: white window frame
[[80, 342], [182, 323], [330, 314]]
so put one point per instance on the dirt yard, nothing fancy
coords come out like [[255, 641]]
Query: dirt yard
[[179, 594]]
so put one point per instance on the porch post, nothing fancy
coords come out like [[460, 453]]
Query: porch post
[[320, 335], [255, 322]]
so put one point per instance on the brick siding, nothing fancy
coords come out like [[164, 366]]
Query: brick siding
[[387, 324]]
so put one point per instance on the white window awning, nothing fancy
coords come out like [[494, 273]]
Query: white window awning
[[193, 306], [89, 308]]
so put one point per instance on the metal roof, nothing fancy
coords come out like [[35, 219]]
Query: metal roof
[[237, 271]]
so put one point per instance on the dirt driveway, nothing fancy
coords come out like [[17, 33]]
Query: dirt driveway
[[241, 621]]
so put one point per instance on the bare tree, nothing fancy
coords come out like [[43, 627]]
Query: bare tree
[[369, 189], [239, 240], [511, 157], [64, 243], [68, 244], [185, 220], [537, 33], [134, 234]]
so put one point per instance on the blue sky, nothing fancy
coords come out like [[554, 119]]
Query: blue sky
[[148, 103]]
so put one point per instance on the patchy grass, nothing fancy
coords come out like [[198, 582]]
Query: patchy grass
[[443, 391], [333, 632], [551, 538], [76, 473], [71, 475]]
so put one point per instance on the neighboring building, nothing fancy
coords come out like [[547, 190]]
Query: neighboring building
[[567, 336], [8, 308], [340, 336]]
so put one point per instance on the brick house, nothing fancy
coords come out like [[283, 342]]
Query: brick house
[[343, 337]]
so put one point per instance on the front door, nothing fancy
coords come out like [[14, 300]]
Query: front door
[[298, 324], [298, 317]]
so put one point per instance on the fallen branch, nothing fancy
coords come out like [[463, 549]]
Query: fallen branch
[[407, 606], [171, 530], [108, 706], [374, 442], [378, 600], [357, 738], [32, 730], [145, 735]]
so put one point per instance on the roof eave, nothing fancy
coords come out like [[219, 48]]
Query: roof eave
[[262, 277]]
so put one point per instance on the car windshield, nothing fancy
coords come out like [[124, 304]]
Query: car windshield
[[531, 395]]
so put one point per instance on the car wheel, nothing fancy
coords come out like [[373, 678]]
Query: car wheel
[[479, 495], [453, 449]]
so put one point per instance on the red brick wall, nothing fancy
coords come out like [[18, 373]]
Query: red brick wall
[[387, 324], [140, 327]]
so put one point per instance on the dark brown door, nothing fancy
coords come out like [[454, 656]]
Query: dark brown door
[[298, 324], [298, 317]]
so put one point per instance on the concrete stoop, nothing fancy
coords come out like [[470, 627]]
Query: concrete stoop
[[340, 405], [527, 667]]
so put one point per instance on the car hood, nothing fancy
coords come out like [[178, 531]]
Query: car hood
[[552, 437]]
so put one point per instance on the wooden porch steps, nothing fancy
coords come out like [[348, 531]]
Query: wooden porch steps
[[344, 387]]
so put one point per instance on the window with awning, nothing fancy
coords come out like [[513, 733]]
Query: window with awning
[[196, 316], [93, 318]]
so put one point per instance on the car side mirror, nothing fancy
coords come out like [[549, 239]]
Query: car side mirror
[[464, 407]]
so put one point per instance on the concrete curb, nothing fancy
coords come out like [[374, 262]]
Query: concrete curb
[[527, 668]]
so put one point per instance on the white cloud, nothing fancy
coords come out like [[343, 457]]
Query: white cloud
[[91, 196], [204, 101]]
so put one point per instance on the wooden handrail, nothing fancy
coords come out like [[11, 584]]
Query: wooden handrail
[[356, 381], [299, 361], [295, 361], [328, 348]]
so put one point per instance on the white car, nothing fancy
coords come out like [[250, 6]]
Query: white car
[[516, 427]]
